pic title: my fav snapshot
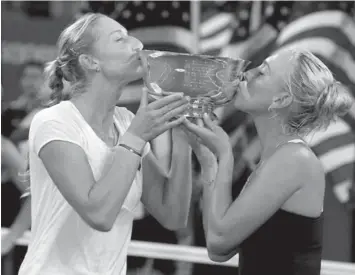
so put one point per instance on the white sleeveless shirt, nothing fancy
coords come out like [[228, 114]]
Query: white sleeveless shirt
[[61, 241]]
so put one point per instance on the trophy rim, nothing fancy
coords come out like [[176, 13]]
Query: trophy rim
[[247, 62], [241, 64]]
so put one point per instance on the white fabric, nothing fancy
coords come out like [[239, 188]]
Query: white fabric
[[61, 242]]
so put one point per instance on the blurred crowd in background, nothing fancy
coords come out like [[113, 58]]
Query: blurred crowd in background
[[248, 29]]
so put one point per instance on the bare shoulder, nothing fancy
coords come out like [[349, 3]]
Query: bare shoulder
[[308, 173], [296, 159]]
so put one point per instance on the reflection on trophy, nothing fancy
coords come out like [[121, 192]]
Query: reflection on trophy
[[209, 81]]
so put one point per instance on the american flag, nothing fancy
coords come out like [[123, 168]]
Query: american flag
[[222, 23], [167, 25], [162, 25]]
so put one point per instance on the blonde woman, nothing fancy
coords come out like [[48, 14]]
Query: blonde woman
[[276, 221], [90, 161]]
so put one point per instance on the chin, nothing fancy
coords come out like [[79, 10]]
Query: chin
[[138, 74], [128, 74], [140, 71], [244, 105], [131, 77]]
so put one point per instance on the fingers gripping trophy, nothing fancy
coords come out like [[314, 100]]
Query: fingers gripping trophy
[[208, 81]]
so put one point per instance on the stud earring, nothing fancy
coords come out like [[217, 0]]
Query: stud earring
[[97, 69]]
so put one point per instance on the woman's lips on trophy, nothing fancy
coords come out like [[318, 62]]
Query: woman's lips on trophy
[[136, 57], [246, 76], [142, 58], [133, 58]]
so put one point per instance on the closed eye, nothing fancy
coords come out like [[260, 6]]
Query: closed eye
[[118, 35], [265, 67], [262, 69]]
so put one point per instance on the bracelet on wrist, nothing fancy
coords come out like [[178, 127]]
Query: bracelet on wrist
[[133, 142], [130, 149]]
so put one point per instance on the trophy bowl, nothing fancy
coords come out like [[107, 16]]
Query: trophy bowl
[[208, 81]]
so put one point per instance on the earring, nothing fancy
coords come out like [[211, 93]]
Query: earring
[[97, 69]]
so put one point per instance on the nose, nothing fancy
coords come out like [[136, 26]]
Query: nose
[[136, 44]]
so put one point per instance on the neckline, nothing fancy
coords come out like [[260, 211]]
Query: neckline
[[300, 215], [87, 126]]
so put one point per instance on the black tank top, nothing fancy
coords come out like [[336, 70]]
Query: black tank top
[[287, 244]]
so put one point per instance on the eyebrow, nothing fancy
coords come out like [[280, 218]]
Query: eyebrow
[[119, 31]]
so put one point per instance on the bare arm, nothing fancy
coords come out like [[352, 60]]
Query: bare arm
[[97, 202], [23, 219], [14, 161], [11, 157], [20, 134], [167, 195], [18, 228], [209, 166], [230, 223]]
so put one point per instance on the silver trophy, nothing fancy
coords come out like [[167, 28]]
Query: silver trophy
[[209, 81]]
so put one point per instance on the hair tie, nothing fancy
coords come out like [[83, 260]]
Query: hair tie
[[59, 62], [59, 71], [73, 52]]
